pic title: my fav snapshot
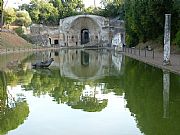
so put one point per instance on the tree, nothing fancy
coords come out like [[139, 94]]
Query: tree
[[9, 15], [48, 13], [145, 19], [1, 13], [42, 11], [23, 18], [112, 8]]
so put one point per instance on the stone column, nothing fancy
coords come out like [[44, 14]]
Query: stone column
[[166, 86], [67, 38], [167, 29], [79, 39], [99, 37]]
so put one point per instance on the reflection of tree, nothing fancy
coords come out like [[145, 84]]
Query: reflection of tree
[[13, 117], [14, 77], [90, 104], [10, 118], [144, 95], [114, 83], [67, 91], [3, 93], [64, 90]]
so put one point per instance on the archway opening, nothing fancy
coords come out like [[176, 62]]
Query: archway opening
[[84, 36], [50, 40], [56, 42]]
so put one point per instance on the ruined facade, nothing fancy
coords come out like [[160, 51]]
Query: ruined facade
[[81, 30]]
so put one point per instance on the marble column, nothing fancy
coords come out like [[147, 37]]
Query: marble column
[[166, 86], [167, 30]]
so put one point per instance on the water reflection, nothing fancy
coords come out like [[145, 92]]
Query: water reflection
[[13, 107], [148, 91], [84, 58], [83, 65], [166, 86], [140, 98]]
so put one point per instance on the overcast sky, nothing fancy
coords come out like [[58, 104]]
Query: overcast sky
[[15, 3]]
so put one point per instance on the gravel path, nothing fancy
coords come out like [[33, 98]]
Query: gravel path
[[155, 58]]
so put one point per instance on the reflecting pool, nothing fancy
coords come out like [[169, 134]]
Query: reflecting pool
[[86, 92]]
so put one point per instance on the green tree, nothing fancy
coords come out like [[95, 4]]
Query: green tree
[[23, 18], [48, 13], [59, 5], [112, 8], [145, 19], [9, 15]]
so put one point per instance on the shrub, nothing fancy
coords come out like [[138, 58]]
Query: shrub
[[177, 39], [20, 33]]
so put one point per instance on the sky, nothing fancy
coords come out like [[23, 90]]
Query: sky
[[15, 3]]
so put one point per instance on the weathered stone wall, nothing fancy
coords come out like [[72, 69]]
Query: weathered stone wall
[[79, 30], [41, 34]]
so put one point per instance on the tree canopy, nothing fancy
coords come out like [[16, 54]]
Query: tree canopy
[[144, 19]]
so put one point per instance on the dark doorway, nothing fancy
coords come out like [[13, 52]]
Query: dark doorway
[[50, 40], [56, 42], [84, 36]]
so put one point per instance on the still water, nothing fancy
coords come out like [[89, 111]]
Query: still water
[[86, 92]]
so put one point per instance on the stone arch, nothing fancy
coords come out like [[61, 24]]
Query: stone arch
[[96, 28], [86, 28]]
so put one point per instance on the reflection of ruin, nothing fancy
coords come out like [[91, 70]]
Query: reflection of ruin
[[95, 91], [117, 60], [84, 65], [78, 64], [92, 98]]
